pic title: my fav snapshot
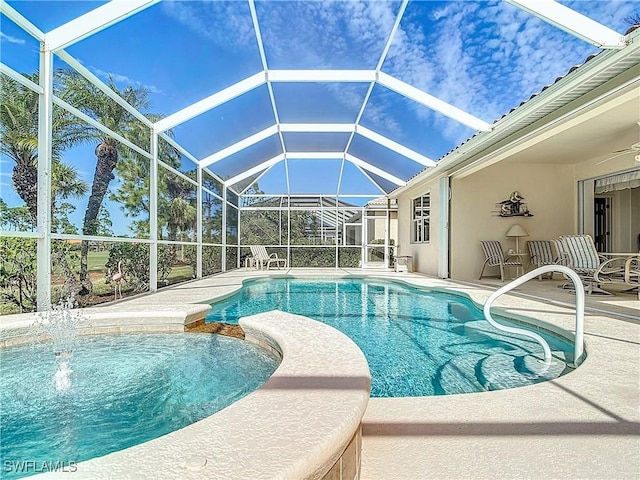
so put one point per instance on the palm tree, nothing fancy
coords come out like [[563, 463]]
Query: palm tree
[[92, 101], [19, 141], [179, 208]]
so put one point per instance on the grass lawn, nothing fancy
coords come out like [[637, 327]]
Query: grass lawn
[[96, 260]]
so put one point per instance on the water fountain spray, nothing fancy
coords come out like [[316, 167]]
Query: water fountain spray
[[60, 325]]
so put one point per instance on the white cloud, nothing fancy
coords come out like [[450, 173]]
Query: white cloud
[[226, 24], [487, 57], [8, 38], [484, 57], [613, 14], [378, 114], [330, 34], [123, 79]]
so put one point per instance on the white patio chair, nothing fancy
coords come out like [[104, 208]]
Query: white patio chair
[[541, 253], [562, 255], [632, 273], [262, 259], [494, 257], [593, 269]]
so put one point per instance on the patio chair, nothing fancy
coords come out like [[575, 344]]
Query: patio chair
[[562, 255], [593, 269], [262, 259], [494, 257], [541, 252], [632, 273]]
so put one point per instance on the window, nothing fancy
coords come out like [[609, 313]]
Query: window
[[421, 216]]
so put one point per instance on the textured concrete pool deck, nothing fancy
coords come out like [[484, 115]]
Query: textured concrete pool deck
[[585, 424]]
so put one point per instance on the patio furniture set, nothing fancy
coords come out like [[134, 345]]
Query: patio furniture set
[[578, 252]]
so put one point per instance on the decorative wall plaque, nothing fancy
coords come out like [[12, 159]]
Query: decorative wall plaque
[[513, 206]]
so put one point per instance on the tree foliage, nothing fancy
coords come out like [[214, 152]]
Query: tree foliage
[[18, 280], [89, 99], [19, 142]]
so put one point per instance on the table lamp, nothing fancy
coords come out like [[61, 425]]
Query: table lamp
[[517, 231]]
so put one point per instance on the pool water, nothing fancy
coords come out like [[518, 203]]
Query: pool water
[[126, 389], [417, 342]]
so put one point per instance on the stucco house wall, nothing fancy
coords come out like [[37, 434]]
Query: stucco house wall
[[425, 255], [549, 192]]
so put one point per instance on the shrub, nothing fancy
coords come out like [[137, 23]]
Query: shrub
[[18, 279], [135, 264]]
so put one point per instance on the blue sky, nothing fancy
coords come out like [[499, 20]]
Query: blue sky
[[483, 57]]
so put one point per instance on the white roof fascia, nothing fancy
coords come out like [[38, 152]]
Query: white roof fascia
[[94, 21], [22, 22], [432, 102], [212, 101], [367, 166], [551, 128], [241, 145], [572, 22], [82, 70], [321, 75], [178, 147], [396, 147], [100, 127], [10, 72], [252, 171], [317, 127]]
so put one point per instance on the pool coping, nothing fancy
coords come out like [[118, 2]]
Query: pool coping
[[301, 439], [585, 424], [19, 329], [577, 426]]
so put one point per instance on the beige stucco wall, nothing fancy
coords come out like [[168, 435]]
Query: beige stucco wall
[[549, 191], [425, 255]]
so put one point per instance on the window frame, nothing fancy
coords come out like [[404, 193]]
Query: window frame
[[421, 219]]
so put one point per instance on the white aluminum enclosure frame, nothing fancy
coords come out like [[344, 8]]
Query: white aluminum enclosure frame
[[56, 40], [572, 22]]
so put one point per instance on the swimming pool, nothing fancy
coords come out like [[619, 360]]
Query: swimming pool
[[127, 389], [417, 342]]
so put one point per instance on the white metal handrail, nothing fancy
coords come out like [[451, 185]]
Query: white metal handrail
[[580, 299]]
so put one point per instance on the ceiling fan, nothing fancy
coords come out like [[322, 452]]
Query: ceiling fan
[[634, 148]]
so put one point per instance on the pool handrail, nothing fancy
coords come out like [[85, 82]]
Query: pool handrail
[[580, 301]]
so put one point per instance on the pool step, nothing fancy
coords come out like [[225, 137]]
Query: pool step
[[501, 371], [474, 372], [459, 375]]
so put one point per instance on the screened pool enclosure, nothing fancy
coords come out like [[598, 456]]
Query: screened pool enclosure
[[231, 124]]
